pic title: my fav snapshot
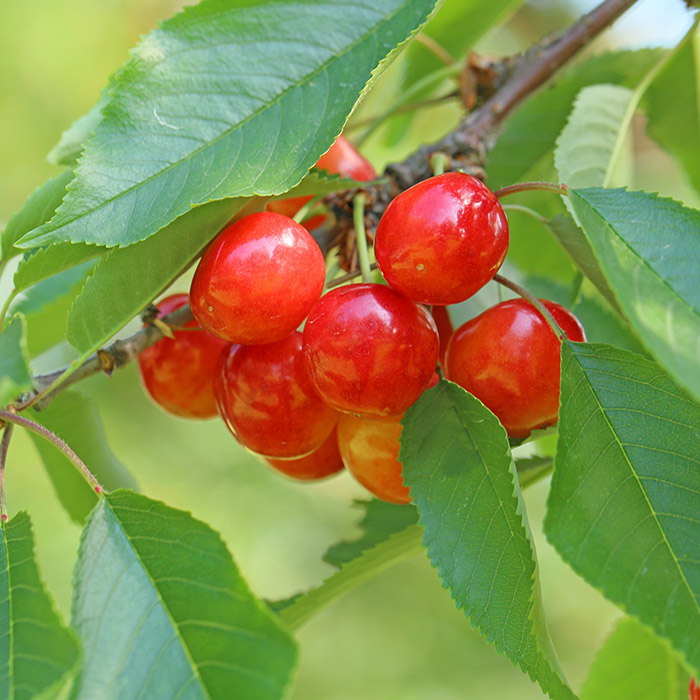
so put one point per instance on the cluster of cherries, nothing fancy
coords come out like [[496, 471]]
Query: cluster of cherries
[[333, 395]]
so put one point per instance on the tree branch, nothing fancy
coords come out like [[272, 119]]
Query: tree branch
[[466, 147]]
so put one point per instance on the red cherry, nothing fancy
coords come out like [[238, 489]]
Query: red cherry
[[442, 240], [258, 280], [369, 350], [370, 451], [343, 159], [268, 402], [322, 462], [509, 358], [693, 690], [444, 326], [179, 374]]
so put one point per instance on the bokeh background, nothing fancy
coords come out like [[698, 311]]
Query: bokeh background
[[398, 636]]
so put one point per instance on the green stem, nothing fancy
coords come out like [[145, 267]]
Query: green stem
[[304, 212], [5, 307], [529, 186], [358, 215], [410, 107], [521, 291], [415, 89], [396, 548], [526, 210], [438, 162], [57, 442]]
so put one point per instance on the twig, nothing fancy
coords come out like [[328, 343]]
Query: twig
[[57, 442], [529, 186]]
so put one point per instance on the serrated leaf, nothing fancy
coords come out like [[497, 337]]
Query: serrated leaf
[[15, 376], [73, 139], [625, 495], [458, 466], [163, 611], [36, 651], [298, 609], [380, 520], [321, 182], [575, 243], [242, 100], [49, 261], [637, 665], [75, 418], [587, 148], [141, 272], [647, 248], [673, 105], [38, 209], [530, 134]]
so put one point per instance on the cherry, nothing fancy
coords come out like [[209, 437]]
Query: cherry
[[442, 240], [369, 350], [509, 357], [258, 280], [444, 327], [178, 373], [343, 159], [693, 690], [370, 451], [322, 462], [266, 399]]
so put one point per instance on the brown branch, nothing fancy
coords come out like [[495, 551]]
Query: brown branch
[[468, 145], [466, 148]]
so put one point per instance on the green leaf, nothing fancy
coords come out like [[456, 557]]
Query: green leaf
[[38, 209], [587, 147], [140, 273], [647, 248], [163, 612], [530, 134], [15, 376], [673, 105], [462, 477], [575, 243], [36, 651], [625, 496], [73, 139], [532, 469], [635, 664], [242, 100], [321, 182], [45, 306], [380, 520], [76, 419], [298, 609], [49, 261]]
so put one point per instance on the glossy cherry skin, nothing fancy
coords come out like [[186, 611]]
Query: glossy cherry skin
[[509, 358], [178, 373], [370, 451], [343, 159], [442, 240], [266, 399], [258, 280], [369, 350], [322, 462], [693, 690]]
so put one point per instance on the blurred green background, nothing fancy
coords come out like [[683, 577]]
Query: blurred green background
[[398, 636]]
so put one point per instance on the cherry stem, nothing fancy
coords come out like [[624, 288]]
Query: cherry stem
[[4, 446], [528, 186], [521, 291], [526, 210], [438, 162], [57, 442], [358, 215], [436, 48], [304, 212], [347, 277]]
